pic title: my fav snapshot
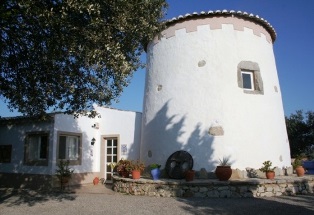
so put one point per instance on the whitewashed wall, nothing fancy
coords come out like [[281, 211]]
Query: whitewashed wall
[[127, 124], [14, 134], [83, 125], [195, 96]]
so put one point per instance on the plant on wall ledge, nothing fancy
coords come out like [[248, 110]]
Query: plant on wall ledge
[[223, 170], [64, 172], [136, 167], [155, 170], [122, 168], [268, 170]]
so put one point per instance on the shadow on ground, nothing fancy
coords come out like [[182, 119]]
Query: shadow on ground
[[301, 204], [14, 197]]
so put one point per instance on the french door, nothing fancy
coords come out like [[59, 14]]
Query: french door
[[111, 156]]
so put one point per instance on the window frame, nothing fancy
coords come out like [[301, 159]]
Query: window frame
[[72, 162], [253, 67], [37, 161], [251, 74]]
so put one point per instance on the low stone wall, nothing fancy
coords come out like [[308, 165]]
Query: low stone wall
[[253, 187]]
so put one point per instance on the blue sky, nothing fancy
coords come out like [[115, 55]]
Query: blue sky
[[293, 21]]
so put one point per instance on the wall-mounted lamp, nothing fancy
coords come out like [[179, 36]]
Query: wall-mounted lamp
[[93, 141], [96, 125]]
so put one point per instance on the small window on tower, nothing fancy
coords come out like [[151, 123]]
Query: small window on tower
[[247, 79], [250, 78]]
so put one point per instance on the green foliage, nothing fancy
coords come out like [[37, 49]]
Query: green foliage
[[64, 171], [225, 161], [267, 167], [135, 165], [68, 55], [122, 165], [297, 162], [154, 166], [300, 129]]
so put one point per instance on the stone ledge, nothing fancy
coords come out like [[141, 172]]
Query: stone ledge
[[209, 188]]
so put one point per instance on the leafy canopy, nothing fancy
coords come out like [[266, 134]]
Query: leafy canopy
[[66, 55], [300, 129]]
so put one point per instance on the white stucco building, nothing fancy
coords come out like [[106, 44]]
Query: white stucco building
[[30, 148], [211, 89]]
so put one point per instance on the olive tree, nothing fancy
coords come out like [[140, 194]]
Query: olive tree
[[66, 55]]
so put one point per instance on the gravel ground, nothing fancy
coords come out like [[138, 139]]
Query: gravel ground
[[84, 202]]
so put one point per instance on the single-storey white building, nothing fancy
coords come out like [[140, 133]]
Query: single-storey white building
[[30, 149]]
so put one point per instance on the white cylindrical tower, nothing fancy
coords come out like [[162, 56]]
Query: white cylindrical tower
[[212, 89]]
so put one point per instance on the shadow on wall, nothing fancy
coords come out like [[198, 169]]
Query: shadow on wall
[[19, 174], [170, 130]]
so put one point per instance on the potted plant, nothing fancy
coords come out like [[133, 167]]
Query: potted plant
[[297, 166], [189, 175], [268, 170], [122, 168], [223, 170], [155, 171], [135, 168], [64, 173], [96, 180], [112, 169]]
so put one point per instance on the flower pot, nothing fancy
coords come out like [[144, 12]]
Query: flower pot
[[223, 173], [65, 180], [136, 174], [96, 181], [270, 175], [124, 173], [155, 173], [189, 175], [300, 171]]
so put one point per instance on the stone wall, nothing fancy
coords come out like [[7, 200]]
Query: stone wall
[[212, 188]]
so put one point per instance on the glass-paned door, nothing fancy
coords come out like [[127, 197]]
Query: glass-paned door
[[111, 157]]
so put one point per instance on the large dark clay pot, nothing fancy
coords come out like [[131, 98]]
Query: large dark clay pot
[[223, 173]]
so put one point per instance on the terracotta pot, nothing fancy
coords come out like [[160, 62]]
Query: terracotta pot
[[96, 181], [270, 175], [136, 174], [223, 173], [65, 180], [300, 171], [189, 175]]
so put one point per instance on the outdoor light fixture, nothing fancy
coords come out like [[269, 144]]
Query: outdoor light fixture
[[96, 125], [93, 141]]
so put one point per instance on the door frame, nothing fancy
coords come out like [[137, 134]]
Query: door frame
[[103, 153]]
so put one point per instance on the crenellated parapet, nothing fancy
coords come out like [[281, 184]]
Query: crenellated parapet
[[215, 20]]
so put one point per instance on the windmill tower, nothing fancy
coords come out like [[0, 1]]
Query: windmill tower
[[212, 90]]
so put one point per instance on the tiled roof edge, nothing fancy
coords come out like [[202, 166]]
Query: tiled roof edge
[[234, 13]]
